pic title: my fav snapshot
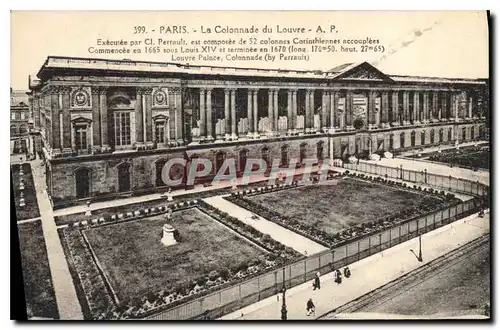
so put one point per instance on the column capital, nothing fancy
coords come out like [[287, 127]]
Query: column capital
[[103, 90], [65, 90], [94, 90]]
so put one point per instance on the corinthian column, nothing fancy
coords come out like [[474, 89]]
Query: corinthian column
[[249, 113], [203, 115], [255, 113], [227, 122], [289, 111], [234, 126], [139, 121], [103, 104], [270, 104], [209, 115]]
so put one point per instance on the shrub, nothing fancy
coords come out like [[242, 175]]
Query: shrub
[[177, 236], [224, 273], [201, 281], [243, 266], [266, 238], [213, 275]]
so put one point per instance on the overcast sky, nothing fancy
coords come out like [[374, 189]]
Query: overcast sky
[[442, 44]]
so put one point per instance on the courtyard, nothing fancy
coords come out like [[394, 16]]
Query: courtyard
[[335, 207], [126, 265]]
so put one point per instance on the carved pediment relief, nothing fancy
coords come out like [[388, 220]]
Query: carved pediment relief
[[363, 71]]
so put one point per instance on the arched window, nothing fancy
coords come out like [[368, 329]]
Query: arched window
[[481, 131], [464, 133], [265, 156], [391, 142], [472, 132], [319, 151], [432, 136], [23, 129], [243, 156], [412, 139], [82, 183], [441, 135], [402, 140], [220, 157], [160, 163], [422, 138], [124, 177], [284, 155], [450, 134], [13, 130]]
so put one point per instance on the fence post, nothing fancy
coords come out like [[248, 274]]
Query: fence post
[[369, 245], [390, 237], [258, 287], [399, 238], [358, 250]]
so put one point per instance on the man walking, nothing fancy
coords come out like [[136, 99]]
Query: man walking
[[317, 283], [310, 307]]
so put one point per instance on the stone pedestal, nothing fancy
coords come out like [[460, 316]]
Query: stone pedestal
[[168, 235]]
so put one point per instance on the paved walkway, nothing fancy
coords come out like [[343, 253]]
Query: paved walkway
[[457, 172], [156, 196], [67, 301], [367, 274], [287, 237]]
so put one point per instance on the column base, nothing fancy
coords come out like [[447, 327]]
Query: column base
[[416, 122], [349, 128], [331, 130], [227, 137], [209, 138], [180, 142], [395, 124], [67, 151], [234, 137], [434, 120], [372, 126]]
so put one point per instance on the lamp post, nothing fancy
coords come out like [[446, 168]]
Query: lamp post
[[283, 305], [420, 249]]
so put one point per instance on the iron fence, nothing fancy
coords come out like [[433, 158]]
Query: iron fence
[[423, 177], [230, 299]]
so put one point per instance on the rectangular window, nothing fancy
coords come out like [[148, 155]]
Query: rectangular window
[[13, 116], [81, 137], [122, 128], [22, 115], [160, 131]]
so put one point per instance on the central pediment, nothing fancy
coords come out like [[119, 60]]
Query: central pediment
[[360, 72]]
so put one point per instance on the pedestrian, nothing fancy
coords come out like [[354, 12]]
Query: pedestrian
[[310, 307], [347, 272], [338, 276], [316, 283]]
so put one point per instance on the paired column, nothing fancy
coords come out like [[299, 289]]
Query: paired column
[[384, 108], [66, 119], [416, 107], [103, 106], [270, 106], [234, 125], [139, 119], [289, 111], [209, 115], [334, 100], [96, 121], [444, 105], [425, 99], [250, 112], [56, 120], [178, 120], [371, 109], [148, 101], [435, 105], [227, 121], [255, 112], [324, 108], [294, 109], [406, 107], [395, 108], [348, 109]]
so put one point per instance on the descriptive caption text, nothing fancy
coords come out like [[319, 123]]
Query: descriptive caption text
[[225, 44]]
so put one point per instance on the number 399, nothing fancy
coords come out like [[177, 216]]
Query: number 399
[[139, 29]]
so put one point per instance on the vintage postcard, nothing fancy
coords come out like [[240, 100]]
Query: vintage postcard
[[251, 165]]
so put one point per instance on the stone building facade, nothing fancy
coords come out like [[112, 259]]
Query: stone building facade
[[110, 125], [20, 117]]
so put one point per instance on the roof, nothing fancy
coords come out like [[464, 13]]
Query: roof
[[19, 98], [343, 71]]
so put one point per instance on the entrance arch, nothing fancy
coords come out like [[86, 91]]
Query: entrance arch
[[82, 182], [124, 177]]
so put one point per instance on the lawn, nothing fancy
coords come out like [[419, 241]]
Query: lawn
[[30, 210], [464, 158], [38, 287], [333, 208], [136, 262]]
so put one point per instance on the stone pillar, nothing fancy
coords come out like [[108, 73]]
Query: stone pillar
[[384, 108], [469, 106], [348, 110], [227, 121], [425, 99], [311, 110], [255, 112], [289, 111], [139, 121], [307, 106], [96, 120], [435, 105], [416, 107], [234, 125], [371, 109], [210, 135], [324, 108], [103, 106], [456, 105], [275, 108], [203, 115], [148, 113], [395, 108], [249, 112], [66, 120], [444, 105], [294, 109], [179, 118], [270, 104], [56, 120], [334, 100], [406, 107]]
